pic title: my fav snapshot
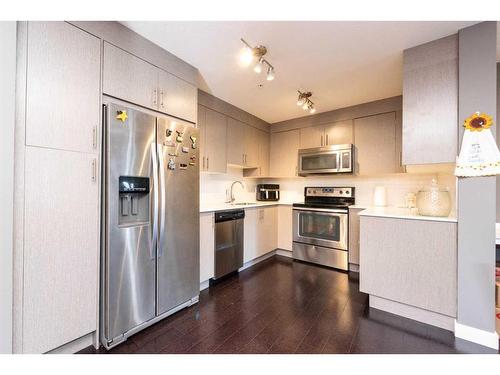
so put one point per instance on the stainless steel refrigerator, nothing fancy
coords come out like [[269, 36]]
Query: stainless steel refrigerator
[[150, 253]]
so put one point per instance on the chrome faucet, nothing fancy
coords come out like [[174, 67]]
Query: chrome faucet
[[231, 199]]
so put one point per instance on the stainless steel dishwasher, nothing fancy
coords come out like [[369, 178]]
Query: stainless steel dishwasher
[[228, 242]]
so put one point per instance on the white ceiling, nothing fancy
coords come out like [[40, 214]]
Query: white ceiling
[[342, 63]]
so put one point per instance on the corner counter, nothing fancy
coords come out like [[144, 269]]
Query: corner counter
[[408, 264], [403, 213]]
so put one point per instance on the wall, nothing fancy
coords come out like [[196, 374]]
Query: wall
[[477, 195], [7, 93], [213, 186]]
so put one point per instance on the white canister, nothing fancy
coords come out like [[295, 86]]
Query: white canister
[[379, 196]]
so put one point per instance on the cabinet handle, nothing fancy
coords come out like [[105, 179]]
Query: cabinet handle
[[203, 168], [327, 143], [94, 137], [94, 170], [155, 96], [207, 164], [161, 98]]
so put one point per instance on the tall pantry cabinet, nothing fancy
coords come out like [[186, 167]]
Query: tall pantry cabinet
[[57, 177]]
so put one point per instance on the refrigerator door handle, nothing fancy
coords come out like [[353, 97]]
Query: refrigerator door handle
[[161, 241], [154, 159]]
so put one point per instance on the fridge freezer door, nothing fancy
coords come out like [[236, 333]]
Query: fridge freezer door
[[129, 245], [178, 244]]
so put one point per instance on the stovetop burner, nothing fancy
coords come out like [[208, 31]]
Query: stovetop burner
[[327, 197]]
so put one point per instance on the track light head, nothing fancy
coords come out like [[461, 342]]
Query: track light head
[[270, 73]]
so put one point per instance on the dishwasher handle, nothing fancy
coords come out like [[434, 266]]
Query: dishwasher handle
[[229, 215]]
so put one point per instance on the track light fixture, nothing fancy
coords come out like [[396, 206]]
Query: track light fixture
[[306, 103], [255, 55]]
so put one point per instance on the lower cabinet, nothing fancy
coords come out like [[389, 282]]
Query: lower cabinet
[[285, 235], [399, 264], [61, 248], [207, 244], [354, 235], [260, 232]]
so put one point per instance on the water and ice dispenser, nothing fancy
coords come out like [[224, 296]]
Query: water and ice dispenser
[[134, 200]]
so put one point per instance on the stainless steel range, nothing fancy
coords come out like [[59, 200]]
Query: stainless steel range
[[320, 226]]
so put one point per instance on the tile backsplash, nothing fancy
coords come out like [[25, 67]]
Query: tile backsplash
[[213, 186]]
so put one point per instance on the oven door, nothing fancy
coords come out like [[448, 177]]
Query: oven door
[[320, 227]]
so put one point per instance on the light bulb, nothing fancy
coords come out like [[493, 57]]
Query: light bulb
[[257, 68], [270, 74], [301, 101], [246, 56], [312, 109], [305, 106]]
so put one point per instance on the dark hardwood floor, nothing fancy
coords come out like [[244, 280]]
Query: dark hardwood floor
[[282, 306]]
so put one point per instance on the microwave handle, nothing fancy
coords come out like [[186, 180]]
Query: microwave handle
[[339, 159]]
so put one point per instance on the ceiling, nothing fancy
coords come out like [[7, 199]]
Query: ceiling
[[342, 63]]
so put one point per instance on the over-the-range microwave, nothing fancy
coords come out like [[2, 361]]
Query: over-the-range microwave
[[326, 160]]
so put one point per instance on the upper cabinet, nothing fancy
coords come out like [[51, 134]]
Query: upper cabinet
[[177, 97], [235, 142], [376, 147], [63, 87], [339, 133], [242, 144], [134, 80], [284, 153], [336, 133], [430, 102], [213, 132]]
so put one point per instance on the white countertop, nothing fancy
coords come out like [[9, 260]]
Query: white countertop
[[210, 207], [403, 213]]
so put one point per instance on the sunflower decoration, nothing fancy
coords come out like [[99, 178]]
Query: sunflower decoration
[[478, 121], [479, 155]]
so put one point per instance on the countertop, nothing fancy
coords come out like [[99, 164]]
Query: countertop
[[211, 207], [403, 213]]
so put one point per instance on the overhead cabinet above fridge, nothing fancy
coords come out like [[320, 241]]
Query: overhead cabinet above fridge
[[134, 80]]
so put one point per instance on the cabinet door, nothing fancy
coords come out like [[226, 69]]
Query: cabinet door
[[215, 141], [285, 227], [202, 114], [235, 142], [313, 136], [430, 102], [206, 246], [375, 139], [129, 78], [63, 87], [251, 238], [177, 97], [264, 153], [268, 230], [284, 153], [61, 248], [339, 133], [354, 235], [251, 147]]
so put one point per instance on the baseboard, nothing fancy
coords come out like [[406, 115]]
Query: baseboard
[[353, 267], [253, 262], [204, 285], [412, 312], [75, 345], [284, 253], [475, 335]]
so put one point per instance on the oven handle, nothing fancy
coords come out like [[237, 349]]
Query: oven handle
[[332, 210]]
